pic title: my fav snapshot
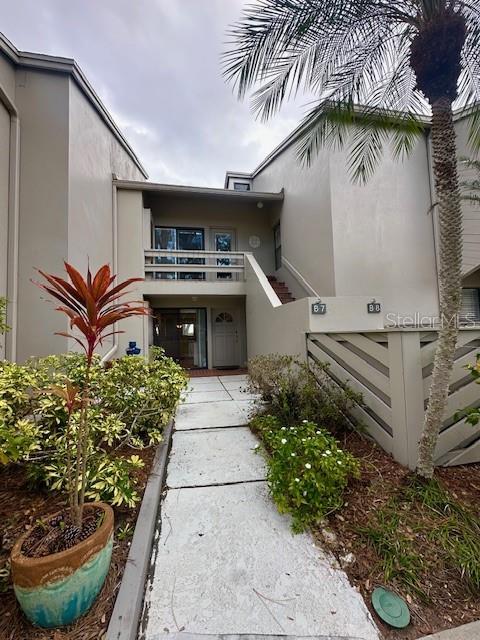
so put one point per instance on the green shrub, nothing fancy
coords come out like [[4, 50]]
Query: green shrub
[[132, 400], [295, 391], [307, 470], [109, 478], [20, 433], [144, 394]]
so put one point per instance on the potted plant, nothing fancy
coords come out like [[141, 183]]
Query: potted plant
[[60, 564]]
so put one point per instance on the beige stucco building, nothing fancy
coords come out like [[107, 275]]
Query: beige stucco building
[[285, 259], [72, 188], [60, 151]]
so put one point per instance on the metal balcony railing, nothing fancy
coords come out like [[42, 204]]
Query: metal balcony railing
[[178, 264]]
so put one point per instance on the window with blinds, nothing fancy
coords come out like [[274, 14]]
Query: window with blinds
[[470, 308]]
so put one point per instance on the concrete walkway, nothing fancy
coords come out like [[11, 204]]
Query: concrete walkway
[[226, 562]]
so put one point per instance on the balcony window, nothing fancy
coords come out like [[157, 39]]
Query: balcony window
[[186, 239]]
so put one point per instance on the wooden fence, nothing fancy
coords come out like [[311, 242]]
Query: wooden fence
[[392, 369]]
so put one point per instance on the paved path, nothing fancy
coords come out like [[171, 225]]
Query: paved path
[[226, 562]]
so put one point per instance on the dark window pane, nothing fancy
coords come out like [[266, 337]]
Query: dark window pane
[[165, 239], [182, 239], [241, 186], [190, 239]]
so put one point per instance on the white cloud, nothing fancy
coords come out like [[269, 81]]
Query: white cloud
[[156, 65]]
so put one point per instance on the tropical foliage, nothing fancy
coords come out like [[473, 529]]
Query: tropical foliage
[[93, 308], [295, 392], [38, 429], [379, 72], [307, 470]]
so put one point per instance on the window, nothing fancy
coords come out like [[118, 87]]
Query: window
[[224, 242], [241, 186], [277, 238], [470, 307], [224, 317], [172, 238]]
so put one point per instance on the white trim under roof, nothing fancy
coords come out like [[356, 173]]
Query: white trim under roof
[[68, 66], [208, 192]]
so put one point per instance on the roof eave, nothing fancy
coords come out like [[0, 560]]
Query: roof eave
[[68, 66], [207, 192]]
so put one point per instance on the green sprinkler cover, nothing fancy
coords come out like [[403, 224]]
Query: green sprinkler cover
[[391, 608]]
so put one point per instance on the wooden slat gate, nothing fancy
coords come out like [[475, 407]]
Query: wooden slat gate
[[392, 369]]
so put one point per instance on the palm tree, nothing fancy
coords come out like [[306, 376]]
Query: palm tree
[[406, 62]]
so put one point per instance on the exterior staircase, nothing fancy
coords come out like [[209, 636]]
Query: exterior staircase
[[281, 290]]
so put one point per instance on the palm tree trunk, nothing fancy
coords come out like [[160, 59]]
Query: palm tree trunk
[[450, 281]]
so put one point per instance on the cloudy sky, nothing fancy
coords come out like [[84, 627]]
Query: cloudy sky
[[156, 66]]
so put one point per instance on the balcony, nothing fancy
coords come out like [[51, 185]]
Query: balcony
[[177, 271], [179, 264]]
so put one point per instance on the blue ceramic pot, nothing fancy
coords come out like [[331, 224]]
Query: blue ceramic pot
[[55, 590]]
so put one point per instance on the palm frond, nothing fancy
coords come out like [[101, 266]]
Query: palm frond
[[470, 187], [365, 131], [346, 52], [474, 132]]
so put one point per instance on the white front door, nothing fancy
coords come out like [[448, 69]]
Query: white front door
[[225, 338]]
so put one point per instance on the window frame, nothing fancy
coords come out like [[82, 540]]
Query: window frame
[[236, 184], [180, 275]]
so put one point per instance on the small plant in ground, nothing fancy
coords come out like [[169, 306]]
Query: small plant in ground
[[457, 530], [398, 558], [422, 515], [295, 391], [124, 531], [307, 470]]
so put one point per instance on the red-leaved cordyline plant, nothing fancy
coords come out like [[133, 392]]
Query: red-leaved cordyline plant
[[93, 308]]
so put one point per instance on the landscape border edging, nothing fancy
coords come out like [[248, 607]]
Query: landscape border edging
[[127, 610]]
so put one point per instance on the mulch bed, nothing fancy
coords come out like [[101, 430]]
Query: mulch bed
[[20, 506], [450, 603]]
